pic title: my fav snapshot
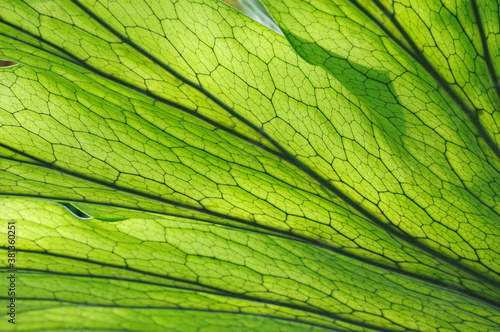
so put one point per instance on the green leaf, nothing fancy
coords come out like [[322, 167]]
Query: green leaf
[[343, 177]]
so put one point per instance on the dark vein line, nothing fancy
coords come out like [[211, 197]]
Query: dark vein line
[[147, 93], [486, 50], [177, 106], [222, 292], [304, 240], [416, 55], [114, 266], [115, 187], [79, 304], [138, 281], [419, 278], [422, 60], [152, 95], [164, 214], [32, 271], [63, 53], [467, 111]]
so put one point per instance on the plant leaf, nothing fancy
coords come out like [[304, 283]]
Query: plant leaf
[[349, 186], [432, 125], [174, 264]]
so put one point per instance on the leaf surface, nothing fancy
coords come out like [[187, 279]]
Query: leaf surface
[[339, 178]]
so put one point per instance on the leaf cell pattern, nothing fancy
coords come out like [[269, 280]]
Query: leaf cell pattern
[[342, 177]]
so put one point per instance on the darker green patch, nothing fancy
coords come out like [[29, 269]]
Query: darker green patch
[[373, 87]]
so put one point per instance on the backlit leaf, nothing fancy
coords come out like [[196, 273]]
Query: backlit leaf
[[342, 177]]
